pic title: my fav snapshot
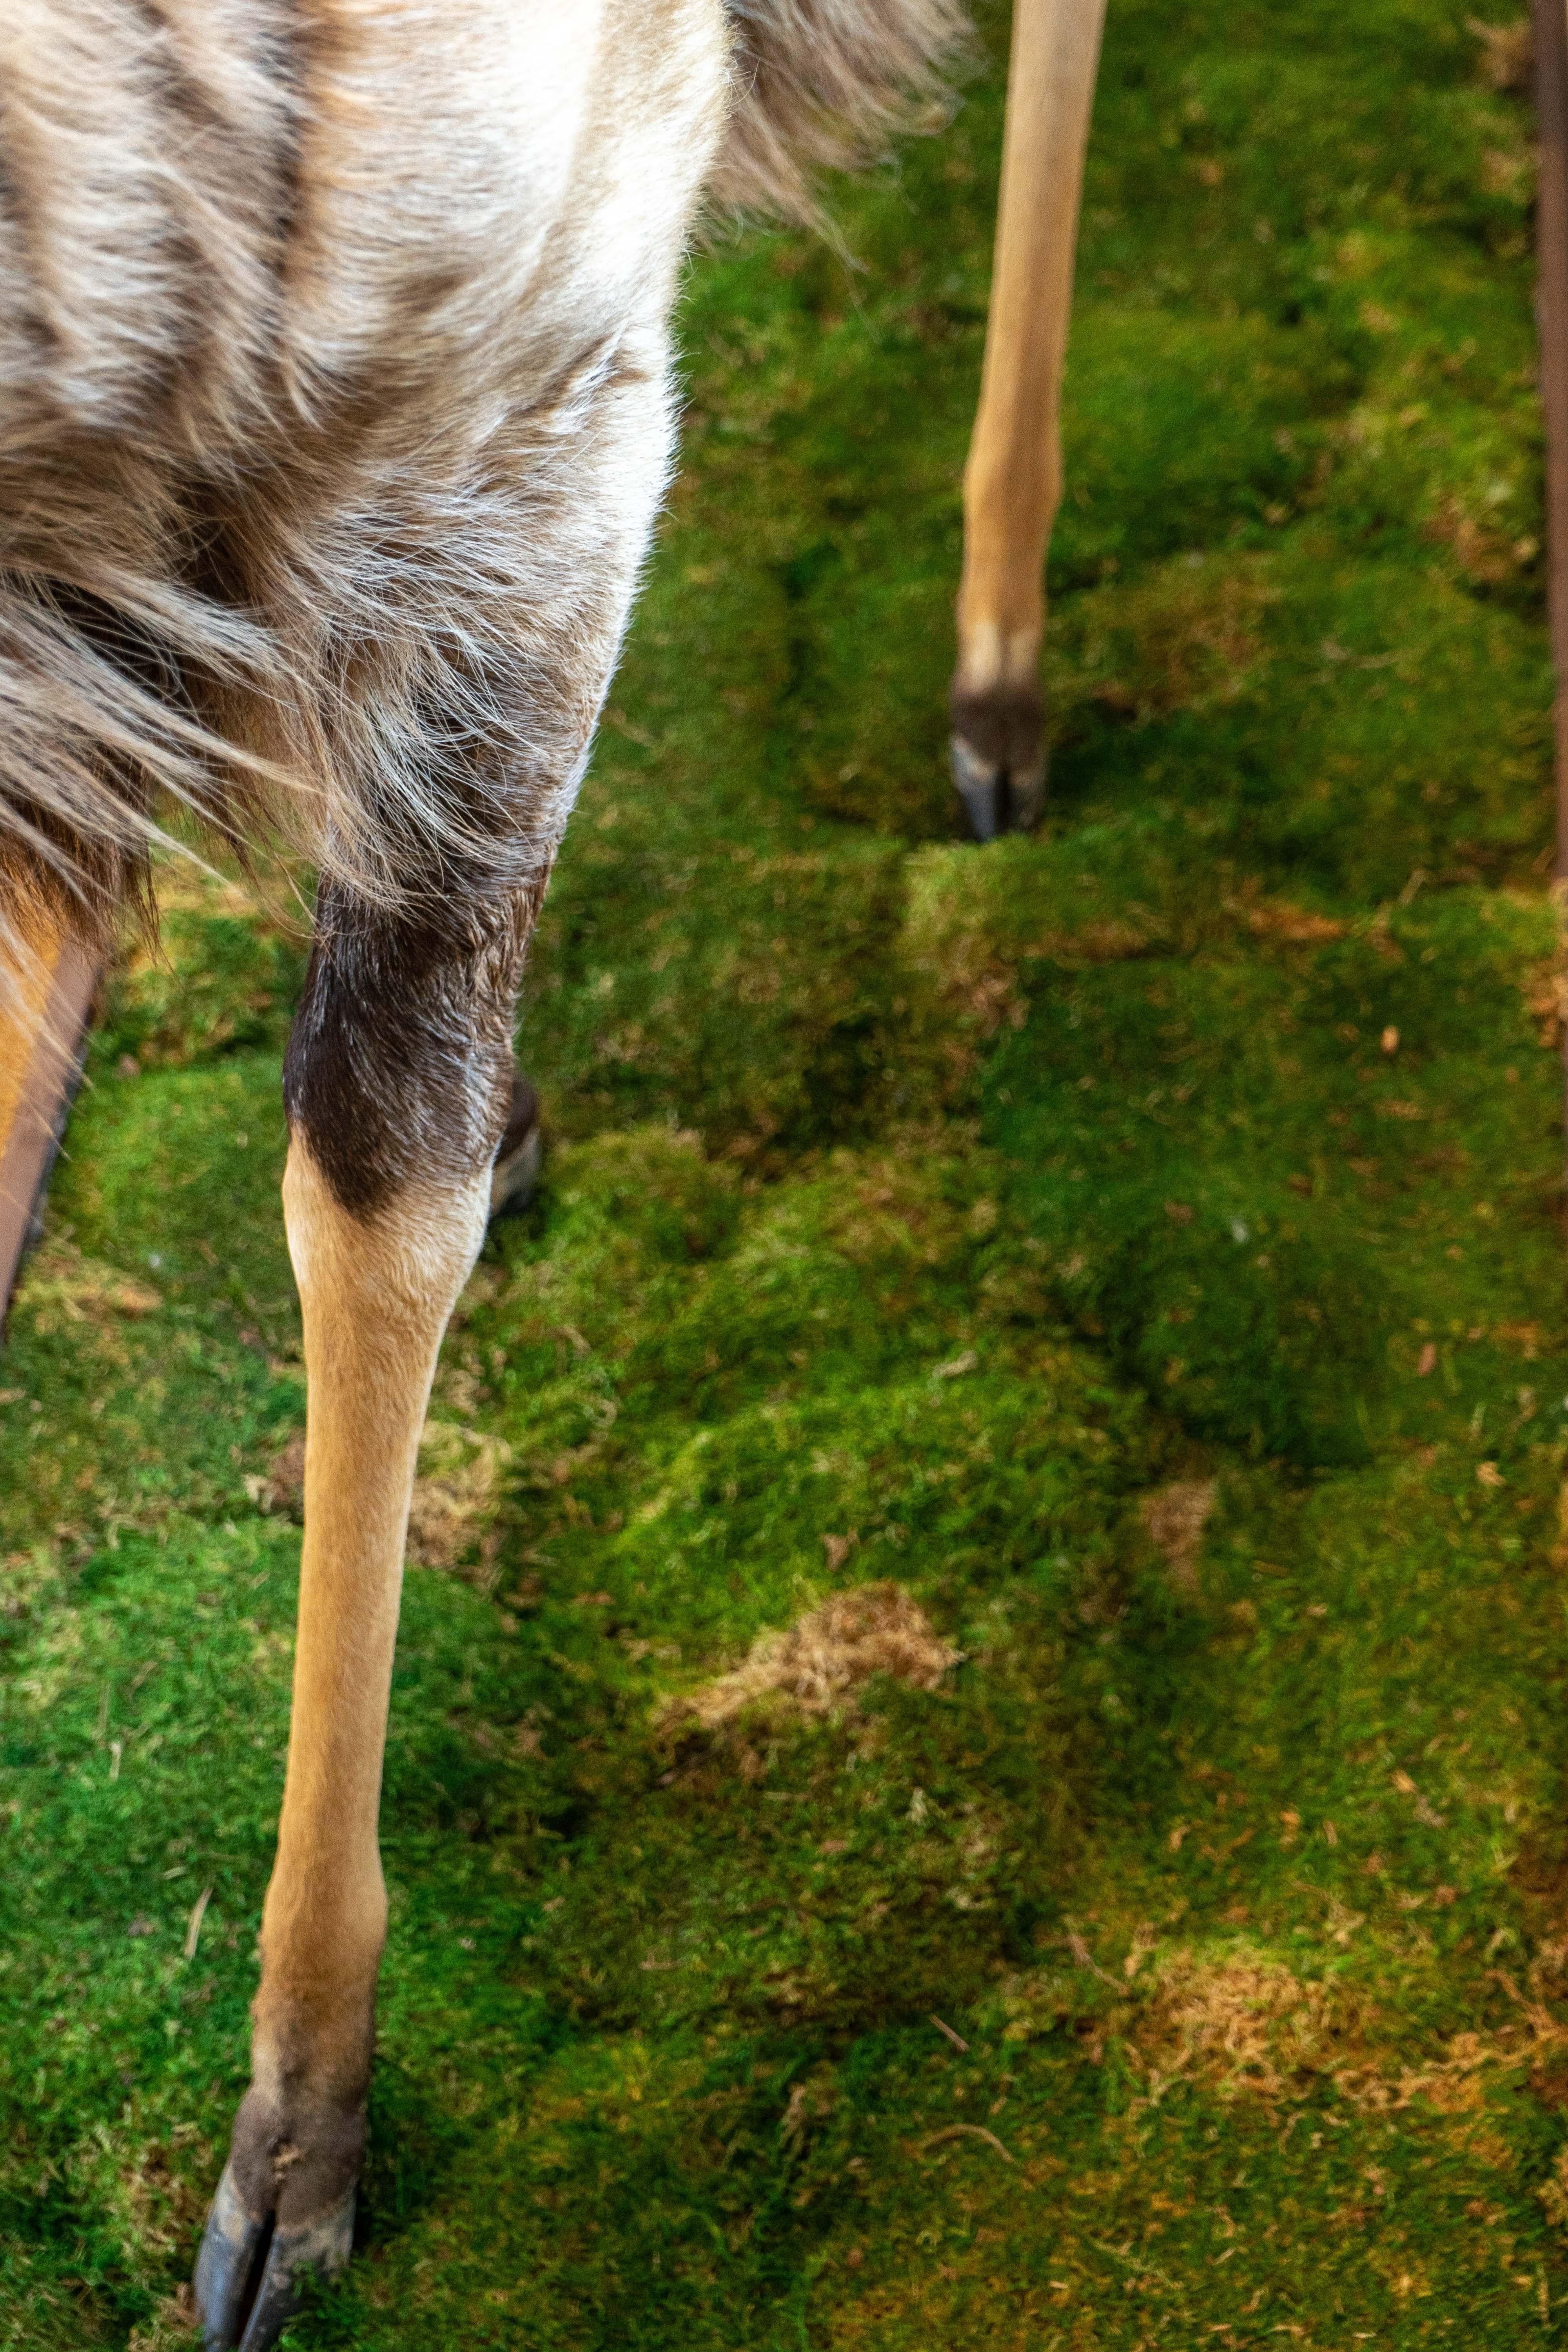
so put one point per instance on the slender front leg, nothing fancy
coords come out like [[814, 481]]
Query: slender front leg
[[1012, 484], [376, 1294], [398, 1086]]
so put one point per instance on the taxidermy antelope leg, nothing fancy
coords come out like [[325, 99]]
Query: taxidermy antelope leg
[[1012, 483], [377, 1291], [46, 987]]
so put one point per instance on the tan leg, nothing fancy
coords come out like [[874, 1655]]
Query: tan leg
[[47, 975], [1012, 483], [377, 1293]]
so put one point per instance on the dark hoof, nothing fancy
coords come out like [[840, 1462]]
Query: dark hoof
[[998, 744], [249, 2272], [518, 1152], [997, 799]]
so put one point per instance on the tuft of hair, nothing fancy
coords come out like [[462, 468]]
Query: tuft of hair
[[821, 84]]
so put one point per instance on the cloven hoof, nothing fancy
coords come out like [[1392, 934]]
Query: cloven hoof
[[249, 2272], [997, 800], [999, 756]]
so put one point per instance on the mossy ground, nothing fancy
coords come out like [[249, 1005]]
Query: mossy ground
[[915, 1212]]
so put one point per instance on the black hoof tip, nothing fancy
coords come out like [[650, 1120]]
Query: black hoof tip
[[249, 2272], [997, 800], [519, 1153]]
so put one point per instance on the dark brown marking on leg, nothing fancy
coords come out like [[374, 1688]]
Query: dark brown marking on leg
[[399, 1067]]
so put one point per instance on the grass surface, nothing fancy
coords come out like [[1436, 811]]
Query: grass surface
[[1141, 1244]]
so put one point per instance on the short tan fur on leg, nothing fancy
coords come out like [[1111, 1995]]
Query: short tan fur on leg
[[1012, 483], [376, 1297]]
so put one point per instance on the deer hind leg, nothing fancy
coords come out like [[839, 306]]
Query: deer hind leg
[[398, 1087], [1012, 483]]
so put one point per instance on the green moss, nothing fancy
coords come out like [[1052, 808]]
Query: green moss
[[961, 1220], [219, 978]]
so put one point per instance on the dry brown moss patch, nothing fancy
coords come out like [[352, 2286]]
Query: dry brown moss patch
[[1243, 2024], [1176, 1516], [62, 1286], [818, 1665]]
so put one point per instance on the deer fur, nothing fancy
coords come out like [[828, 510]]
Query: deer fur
[[305, 307]]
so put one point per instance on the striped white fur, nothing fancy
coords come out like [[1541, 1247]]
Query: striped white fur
[[333, 407]]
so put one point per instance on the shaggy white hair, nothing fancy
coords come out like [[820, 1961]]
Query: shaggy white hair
[[334, 402]]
